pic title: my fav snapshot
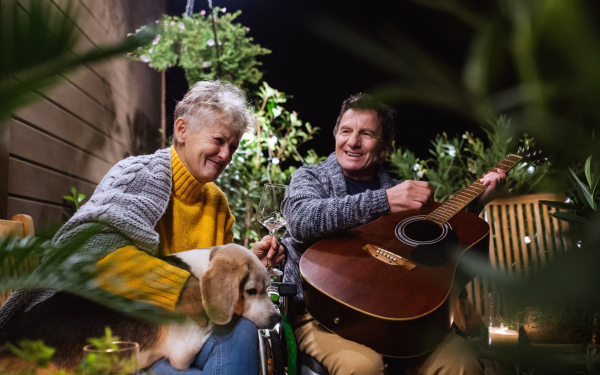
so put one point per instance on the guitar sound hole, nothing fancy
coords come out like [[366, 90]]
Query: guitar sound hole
[[423, 231], [431, 254]]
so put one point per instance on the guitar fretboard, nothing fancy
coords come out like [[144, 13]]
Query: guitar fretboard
[[447, 210]]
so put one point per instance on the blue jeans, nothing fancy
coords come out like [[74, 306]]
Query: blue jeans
[[232, 349]]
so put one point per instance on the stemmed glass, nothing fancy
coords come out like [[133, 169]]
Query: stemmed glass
[[269, 214]]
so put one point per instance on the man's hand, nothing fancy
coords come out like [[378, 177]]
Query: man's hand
[[410, 195], [495, 181], [190, 302], [269, 249]]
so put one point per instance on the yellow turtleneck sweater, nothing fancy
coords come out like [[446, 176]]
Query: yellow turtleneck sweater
[[197, 216]]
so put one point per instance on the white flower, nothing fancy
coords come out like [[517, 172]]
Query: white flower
[[172, 23], [181, 26], [240, 159], [531, 169], [272, 141], [206, 64], [145, 58], [202, 12], [224, 10], [150, 50], [275, 161], [416, 167], [420, 174], [155, 41], [249, 136], [210, 42]]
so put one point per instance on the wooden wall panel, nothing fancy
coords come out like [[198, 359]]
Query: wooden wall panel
[[100, 114], [44, 215], [30, 144], [44, 184], [66, 127]]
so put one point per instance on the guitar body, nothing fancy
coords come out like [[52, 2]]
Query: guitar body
[[395, 310]]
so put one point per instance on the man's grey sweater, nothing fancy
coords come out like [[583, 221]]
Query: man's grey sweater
[[318, 205]]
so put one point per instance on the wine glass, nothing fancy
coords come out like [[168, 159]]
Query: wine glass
[[119, 358], [269, 214]]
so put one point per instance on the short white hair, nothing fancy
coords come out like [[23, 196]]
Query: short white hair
[[208, 101]]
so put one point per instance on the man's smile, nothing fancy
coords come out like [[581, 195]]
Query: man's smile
[[353, 154]]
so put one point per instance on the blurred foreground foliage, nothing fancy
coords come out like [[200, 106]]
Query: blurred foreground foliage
[[38, 45], [66, 268], [535, 62]]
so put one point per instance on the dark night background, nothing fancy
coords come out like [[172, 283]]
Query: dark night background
[[320, 75]]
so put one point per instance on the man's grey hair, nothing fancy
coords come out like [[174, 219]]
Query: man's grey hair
[[208, 101]]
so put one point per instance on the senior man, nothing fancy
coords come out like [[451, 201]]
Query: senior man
[[349, 189], [165, 203]]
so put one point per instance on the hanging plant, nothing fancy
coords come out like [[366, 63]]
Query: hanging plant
[[203, 48]]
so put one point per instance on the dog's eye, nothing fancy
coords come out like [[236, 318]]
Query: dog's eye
[[252, 291]]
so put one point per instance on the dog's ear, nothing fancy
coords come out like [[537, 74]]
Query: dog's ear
[[221, 284]]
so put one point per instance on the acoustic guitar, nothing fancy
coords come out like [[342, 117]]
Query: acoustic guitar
[[392, 284]]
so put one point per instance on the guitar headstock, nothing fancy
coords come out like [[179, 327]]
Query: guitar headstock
[[532, 155]]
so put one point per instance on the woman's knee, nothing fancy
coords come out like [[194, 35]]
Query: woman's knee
[[246, 330], [238, 326]]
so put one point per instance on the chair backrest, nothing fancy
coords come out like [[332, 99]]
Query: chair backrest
[[523, 237], [22, 226]]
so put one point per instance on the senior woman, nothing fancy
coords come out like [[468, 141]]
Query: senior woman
[[165, 203]]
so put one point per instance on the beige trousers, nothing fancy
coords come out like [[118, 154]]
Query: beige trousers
[[454, 356]]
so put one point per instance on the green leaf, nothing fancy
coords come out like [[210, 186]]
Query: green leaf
[[584, 192], [572, 218], [587, 169]]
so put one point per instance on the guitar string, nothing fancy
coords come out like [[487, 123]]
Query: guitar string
[[422, 225], [395, 244]]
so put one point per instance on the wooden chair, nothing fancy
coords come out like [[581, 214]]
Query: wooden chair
[[22, 226], [523, 237]]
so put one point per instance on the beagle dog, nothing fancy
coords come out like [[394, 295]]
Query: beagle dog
[[232, 281]]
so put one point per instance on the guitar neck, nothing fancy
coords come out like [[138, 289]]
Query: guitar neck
[[459, 201]]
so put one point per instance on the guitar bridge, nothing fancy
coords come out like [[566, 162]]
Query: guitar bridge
[[388, 257]]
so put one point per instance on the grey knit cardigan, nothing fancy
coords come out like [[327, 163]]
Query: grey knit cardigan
[[130, 200], [318, 205]]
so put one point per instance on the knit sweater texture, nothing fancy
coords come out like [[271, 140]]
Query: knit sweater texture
[[318, 205], [130, 200]]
